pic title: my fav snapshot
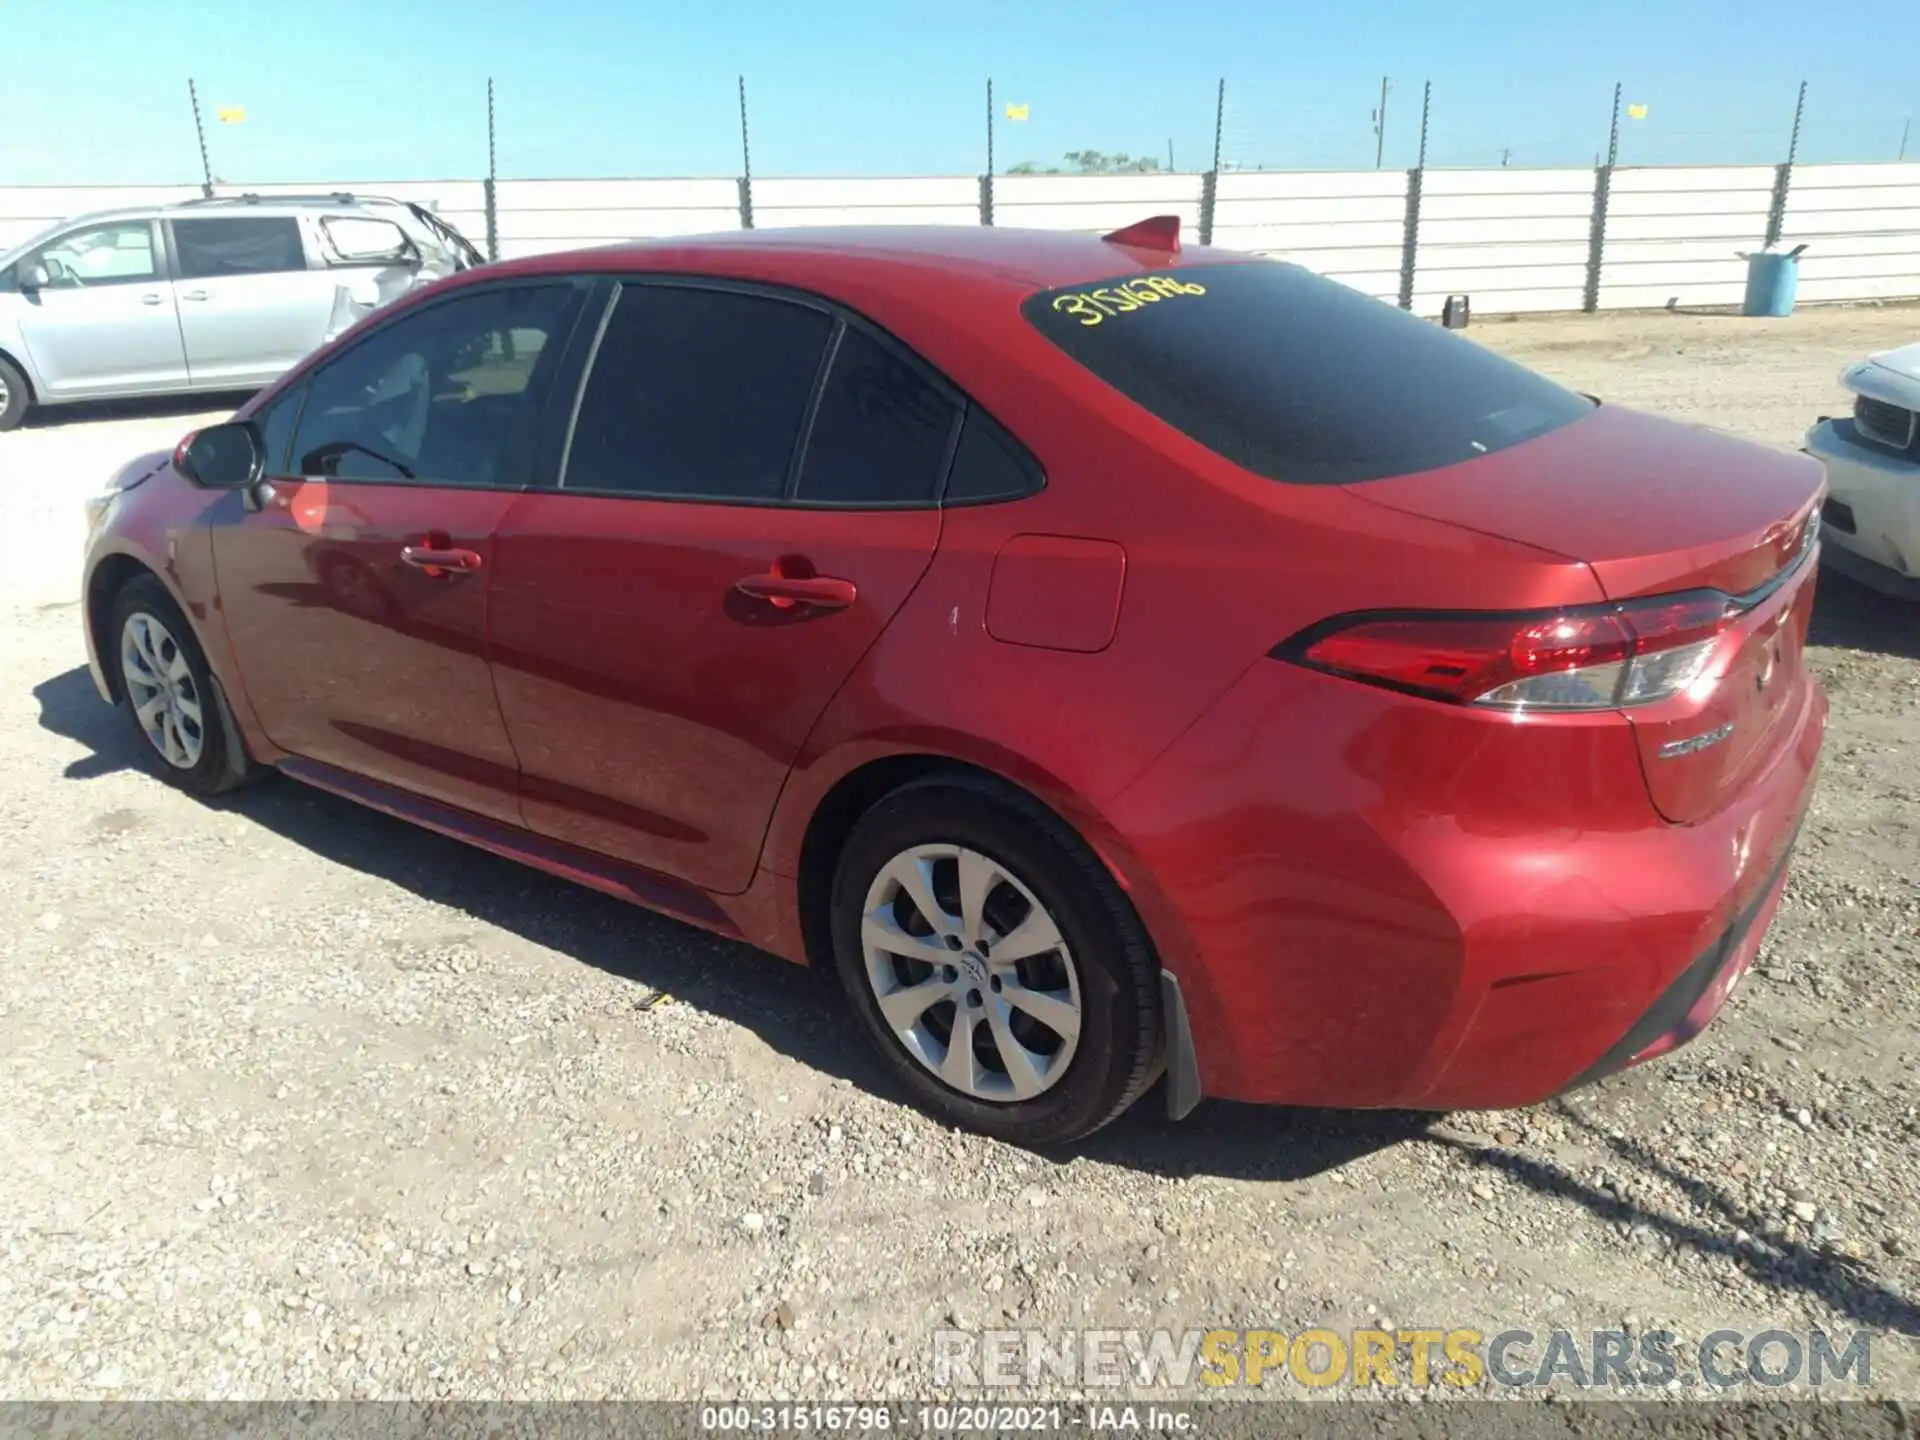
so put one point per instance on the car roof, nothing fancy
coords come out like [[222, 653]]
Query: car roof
[[341, 203], [958, 255]]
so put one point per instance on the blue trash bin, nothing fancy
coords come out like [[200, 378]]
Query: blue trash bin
[[1773, 278]]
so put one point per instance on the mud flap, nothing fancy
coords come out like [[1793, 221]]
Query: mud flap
[[1183, 1068]]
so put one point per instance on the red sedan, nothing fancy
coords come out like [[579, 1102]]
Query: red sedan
[[1114, 660]]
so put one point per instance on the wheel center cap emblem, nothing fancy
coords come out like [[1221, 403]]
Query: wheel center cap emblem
[[974, 967]]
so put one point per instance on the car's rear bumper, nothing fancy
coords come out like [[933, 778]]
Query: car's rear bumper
[[1871, 519], [1369, 900]]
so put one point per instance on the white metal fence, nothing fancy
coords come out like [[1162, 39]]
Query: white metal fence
[[1516, 240]]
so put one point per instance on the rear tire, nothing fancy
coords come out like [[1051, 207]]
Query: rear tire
[[14, 395], [1035, 959], [169, 692]]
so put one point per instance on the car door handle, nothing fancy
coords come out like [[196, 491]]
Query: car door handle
[[149, 299], [438, 561], [195, 295], [824, 591]]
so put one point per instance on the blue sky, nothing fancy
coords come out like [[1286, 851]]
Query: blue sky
[[395, 89]]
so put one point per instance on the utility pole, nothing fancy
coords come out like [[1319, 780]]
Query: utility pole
[[1505, 155], [1903, 136], [1380, 126]]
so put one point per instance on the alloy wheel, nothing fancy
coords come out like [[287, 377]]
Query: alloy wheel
[[971, 972], [160, 688]]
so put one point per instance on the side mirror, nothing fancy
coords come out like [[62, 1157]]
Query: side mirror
[[222, 457], [34, 277]]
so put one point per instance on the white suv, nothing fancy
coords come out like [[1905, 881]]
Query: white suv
[[217, 294]]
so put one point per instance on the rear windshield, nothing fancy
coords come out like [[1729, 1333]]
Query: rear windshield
[[1296, 377]]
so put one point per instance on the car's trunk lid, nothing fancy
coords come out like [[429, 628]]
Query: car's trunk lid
[[1656, 507]]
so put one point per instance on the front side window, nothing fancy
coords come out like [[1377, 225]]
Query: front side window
[[120, 253], [696, 394], [1295, 377], [443, 395], [238, 245], [276, 421]]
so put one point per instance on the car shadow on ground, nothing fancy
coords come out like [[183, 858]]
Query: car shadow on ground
[[152, 407], [800, 1014], [1849, 616]]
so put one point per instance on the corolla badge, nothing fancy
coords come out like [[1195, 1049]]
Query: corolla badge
[[1693, 744]]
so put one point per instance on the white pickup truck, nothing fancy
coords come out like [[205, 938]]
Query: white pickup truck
[[1871, 523]]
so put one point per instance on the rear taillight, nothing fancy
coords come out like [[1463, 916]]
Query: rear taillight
[[1597, 657]]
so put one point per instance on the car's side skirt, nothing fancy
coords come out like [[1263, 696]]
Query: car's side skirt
[[584, 867]]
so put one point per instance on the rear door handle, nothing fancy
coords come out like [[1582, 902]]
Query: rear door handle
[[194, 295], [437, 561], [149, 299], [827, 592]]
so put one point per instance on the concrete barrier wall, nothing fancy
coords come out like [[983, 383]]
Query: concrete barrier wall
[[1679, 237], [1350, 225], [1861, 227], [1514, 240]]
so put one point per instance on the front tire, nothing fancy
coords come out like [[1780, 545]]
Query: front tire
[[1004, 977], [14, 395], [169, 693]]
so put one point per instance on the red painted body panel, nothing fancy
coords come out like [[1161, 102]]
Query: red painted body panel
[[1653, 505], [1368, 898], [655, 709], [355, 659], [1058, 592], [1396, 902]]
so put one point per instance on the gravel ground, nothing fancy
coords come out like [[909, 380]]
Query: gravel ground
[[296, 1101]]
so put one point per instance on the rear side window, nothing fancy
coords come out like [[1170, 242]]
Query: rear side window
[[1299, 378], [882, 432], [240, 245], [696, 394], [990, 464]]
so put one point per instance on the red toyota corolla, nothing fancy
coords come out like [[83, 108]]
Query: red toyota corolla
[[1113, 660]]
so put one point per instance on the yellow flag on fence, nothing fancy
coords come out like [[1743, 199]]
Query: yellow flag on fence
[[232, 114], [1636, 112], [1017, 112]]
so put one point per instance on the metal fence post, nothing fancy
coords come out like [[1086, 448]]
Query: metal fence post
[[492, 196], [1783, 174], [1597, 237], [1410, 238], [200, 134], [1210, 182], [1602, 192], [1416, 183], [746, 163], [986, 180]]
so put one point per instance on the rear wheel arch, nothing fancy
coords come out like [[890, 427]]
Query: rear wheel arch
[[832, 822], [1113, 969], [866, 785]]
